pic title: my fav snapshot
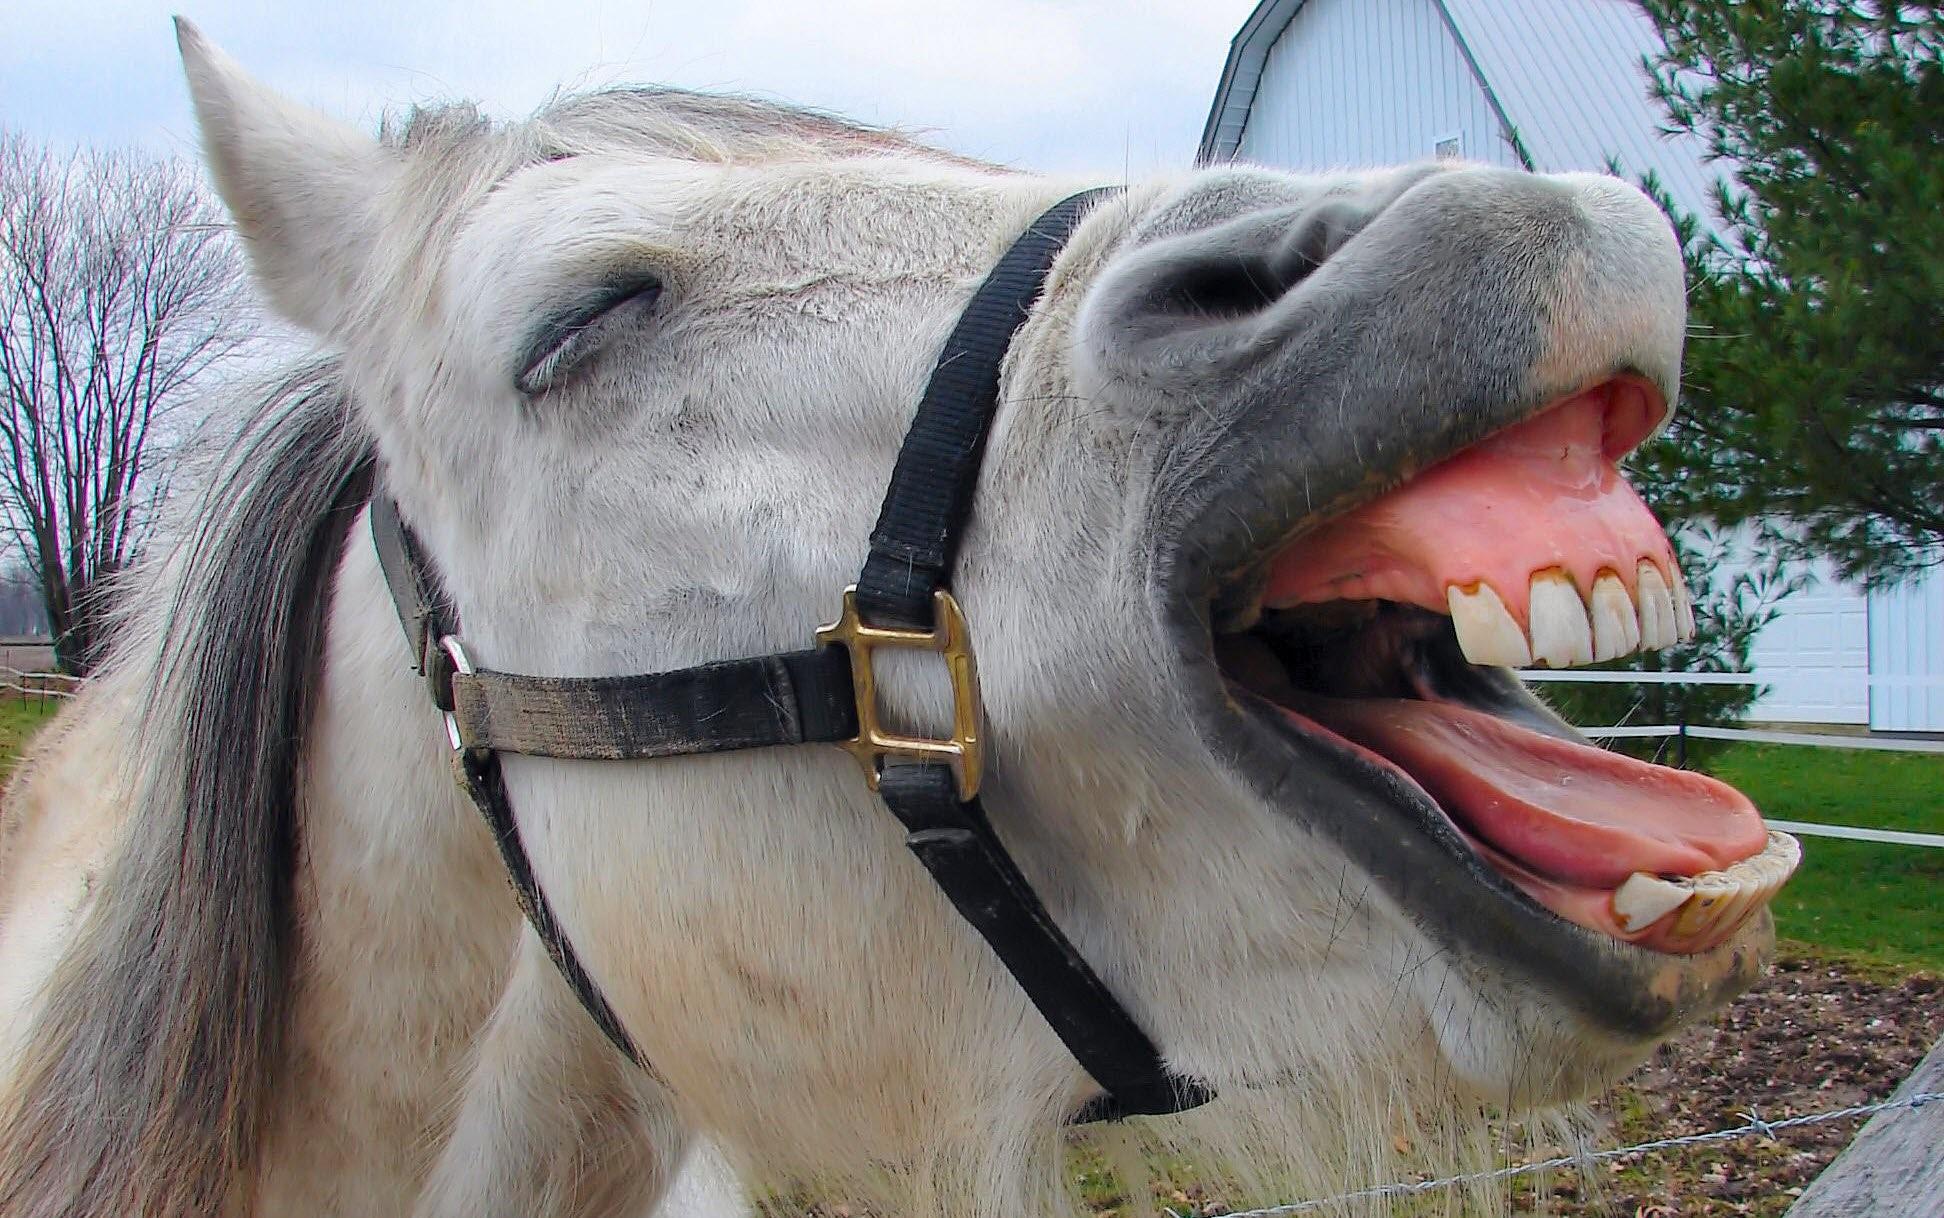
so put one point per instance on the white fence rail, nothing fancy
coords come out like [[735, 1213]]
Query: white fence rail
[[38, 684], [1683, 732], [1569, 675], [1817, 740]]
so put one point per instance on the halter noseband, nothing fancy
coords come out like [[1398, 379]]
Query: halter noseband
[[826, 694]]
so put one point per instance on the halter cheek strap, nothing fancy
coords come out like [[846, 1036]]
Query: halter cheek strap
[[824, 695]]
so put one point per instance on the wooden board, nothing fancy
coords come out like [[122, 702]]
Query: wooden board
[[1895, 1168]]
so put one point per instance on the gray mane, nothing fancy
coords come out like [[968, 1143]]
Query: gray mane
[[141, 1083]]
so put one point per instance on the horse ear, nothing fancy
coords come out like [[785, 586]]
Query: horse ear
[[302, 188]]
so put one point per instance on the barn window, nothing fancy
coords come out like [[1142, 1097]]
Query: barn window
[[1449, 147]]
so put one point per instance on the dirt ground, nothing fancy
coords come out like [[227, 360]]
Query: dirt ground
[[1816, 1035]]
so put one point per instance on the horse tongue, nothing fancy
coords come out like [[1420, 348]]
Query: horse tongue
[[1568, 811]]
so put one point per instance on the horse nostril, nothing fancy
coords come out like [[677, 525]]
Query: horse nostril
[[1223, 284], [1225, 289]]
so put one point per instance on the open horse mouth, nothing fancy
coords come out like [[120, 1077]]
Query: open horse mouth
[[1383, 634]]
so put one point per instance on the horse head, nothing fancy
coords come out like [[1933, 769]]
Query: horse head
[[1287, 472]]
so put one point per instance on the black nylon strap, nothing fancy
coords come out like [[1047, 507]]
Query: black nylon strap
[[930, 496], [800, 697], [479, 775], [955, 842], [912, 549]]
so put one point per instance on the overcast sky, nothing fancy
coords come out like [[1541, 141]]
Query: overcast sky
[[1080, 85]]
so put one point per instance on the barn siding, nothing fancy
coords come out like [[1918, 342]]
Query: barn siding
[[1815, 656], [1907, 656], [1368, 82], [1571, 81]]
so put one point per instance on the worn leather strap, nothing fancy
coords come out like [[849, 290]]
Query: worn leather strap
[[427, 617], [800, 697], [480, 777], [930, 496], [423, 612]]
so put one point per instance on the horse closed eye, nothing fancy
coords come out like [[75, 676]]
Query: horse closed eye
[[566, 341]]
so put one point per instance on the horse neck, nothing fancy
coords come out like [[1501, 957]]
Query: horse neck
[[406, 925]]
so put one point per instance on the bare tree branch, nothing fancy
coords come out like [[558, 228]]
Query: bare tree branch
[[120, 290]]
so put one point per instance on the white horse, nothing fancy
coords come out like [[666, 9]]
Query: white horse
[[1285, 469]]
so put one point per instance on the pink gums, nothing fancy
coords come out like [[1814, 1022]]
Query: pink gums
[[1546, 493]]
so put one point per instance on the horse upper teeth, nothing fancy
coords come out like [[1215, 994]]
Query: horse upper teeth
[[1657, 628], [1563, 629], [1683, 607], [1561, 635], [1486, 630], [1616, 629], [1708, 902]]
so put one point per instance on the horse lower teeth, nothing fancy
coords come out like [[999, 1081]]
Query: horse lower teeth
[[1711, 900], [1645, 899]]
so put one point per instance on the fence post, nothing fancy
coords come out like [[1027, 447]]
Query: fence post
[[1681, 737]]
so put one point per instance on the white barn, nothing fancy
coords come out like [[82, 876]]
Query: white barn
[[1552, 85]]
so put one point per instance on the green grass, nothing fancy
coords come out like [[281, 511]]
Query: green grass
[[20, 718], [1877, 903]]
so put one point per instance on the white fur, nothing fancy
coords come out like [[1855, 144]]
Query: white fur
[[811, 1001]]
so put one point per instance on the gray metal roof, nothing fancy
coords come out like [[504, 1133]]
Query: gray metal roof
[[1241, 73], [1563, 76]]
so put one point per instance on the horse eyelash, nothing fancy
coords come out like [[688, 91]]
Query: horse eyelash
[[569, 337]]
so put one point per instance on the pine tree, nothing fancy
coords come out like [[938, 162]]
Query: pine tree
[[1815, 366], [1814, 379]]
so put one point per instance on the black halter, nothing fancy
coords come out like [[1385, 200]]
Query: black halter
[[827, 694]]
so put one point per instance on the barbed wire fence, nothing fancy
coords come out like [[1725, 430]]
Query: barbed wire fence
[[1755, 1126]]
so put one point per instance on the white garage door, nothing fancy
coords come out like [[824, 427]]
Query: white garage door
[[1815, 658], [1907, 654]]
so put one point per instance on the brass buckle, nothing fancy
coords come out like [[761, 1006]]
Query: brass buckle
[[950, 638]]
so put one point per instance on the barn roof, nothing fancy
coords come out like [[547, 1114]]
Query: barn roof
[[1563, 76]]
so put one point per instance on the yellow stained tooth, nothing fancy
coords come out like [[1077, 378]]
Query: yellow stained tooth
[[1712, 891], [1645, 899], [1746, 898], [1616, 630], [1657, 629], [1487, 633]]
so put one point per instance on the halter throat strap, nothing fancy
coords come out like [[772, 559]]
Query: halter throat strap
[[823, 695]]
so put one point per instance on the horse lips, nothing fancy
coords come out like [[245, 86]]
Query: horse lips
[[1537, 508]]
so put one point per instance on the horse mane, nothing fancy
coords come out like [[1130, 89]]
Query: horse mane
[[139, 1089]]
